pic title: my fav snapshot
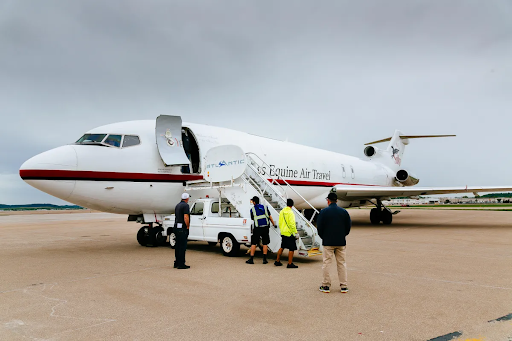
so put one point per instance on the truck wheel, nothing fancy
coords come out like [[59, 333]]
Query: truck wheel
[[229, 245], [172, 240]]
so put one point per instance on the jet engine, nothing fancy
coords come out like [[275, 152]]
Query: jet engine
[[405, 179], [370, 151]]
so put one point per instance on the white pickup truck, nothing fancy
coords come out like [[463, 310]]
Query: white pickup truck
[[212, 221]]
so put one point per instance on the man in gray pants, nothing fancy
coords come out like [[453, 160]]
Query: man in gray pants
[[333, 226]]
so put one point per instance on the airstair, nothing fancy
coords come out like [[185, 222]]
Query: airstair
[[273, 192]]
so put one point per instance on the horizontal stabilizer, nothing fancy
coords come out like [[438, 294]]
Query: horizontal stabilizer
[[403, 137]]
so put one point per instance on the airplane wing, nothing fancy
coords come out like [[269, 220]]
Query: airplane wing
[[355, 192]]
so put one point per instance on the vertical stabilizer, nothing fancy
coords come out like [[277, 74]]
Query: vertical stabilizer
[[393, 154], [395, 150]]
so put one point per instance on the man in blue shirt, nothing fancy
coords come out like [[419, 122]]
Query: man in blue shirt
[[181, 228], [261, 218], [333, 226]]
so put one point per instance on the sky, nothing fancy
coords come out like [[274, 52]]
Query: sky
[[329, 74]]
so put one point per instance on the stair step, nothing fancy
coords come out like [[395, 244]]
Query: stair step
[[307, 240], [301, 233]]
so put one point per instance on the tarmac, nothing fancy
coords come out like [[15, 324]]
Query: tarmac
[[432, 275]]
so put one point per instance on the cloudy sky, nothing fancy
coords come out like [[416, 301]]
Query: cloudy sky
[[330, 74]]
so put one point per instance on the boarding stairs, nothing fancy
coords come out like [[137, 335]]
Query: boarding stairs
[[273, 192]]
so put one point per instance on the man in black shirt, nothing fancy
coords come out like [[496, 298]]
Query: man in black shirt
[[333, 226], [181, 227]]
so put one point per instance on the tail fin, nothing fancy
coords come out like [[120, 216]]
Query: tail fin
[[392, 155]]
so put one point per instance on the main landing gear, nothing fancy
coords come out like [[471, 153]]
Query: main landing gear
[[151, 236], [381, 213]]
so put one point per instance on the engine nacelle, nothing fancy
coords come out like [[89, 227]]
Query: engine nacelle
[[405, 179], [371, 151]]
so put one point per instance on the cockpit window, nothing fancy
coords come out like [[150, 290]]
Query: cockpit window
[[91, 139], [113, 140], [130, 140]]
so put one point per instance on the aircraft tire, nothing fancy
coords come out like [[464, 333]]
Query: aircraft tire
[[159, 239], [143, 235], [387, 217], [375, 216], [229, 245]]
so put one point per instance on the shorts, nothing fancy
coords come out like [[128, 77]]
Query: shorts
[[260, 232], [288, 243]]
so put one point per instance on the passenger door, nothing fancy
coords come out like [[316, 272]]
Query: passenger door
[[196, 221]]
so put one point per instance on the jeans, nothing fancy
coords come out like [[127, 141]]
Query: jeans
[[181, 246]]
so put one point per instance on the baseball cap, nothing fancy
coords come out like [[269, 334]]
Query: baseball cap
[[332, 197], [185, 196]]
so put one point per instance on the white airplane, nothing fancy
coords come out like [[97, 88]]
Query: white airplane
[[140, 168]]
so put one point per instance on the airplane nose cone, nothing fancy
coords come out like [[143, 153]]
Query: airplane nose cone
[[61, 158], [48, 171]]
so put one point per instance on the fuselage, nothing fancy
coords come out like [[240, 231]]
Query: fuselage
[[134, 180]]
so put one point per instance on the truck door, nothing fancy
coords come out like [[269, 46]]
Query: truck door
[[210, 224], [169, 141], [196, 221]]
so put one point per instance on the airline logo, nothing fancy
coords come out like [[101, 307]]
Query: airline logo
[[223, 163], [395, 156]]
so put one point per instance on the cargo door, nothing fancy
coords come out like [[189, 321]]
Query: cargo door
[[169, 141]]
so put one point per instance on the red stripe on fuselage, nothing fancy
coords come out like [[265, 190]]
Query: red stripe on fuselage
[[40, 174], [43, 174], [315, 183]]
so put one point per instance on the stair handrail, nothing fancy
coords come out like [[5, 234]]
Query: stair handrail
[[247, 179], [278, 177]]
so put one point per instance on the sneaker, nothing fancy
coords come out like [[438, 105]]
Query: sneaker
[[265, 261], [324, 288], [344, 290], [292, 266], [276, 263], [249, 261]]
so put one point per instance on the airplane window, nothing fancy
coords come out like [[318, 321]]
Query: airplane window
[[197, 209], [130, 140], [113, 140], [91, 139]]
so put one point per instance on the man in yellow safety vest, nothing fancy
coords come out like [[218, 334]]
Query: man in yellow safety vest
[[289, 234]]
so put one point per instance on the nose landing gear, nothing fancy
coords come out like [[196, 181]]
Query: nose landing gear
[[151, 236]]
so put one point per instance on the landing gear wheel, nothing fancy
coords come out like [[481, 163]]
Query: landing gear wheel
[[229, 246], [172, 240], [375, 216], [159, 239], [212, 243], [386, 217], [143, 235]]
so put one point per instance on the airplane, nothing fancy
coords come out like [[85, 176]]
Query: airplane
[[141, 168]]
